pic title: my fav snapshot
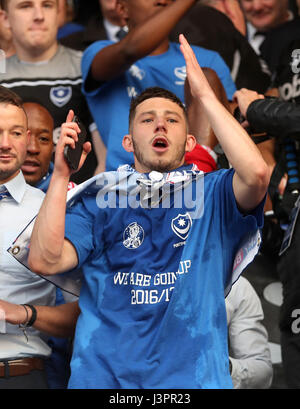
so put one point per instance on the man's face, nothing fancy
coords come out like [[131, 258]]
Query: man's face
[[265, 14], [34, 23], [5, 32], [158, 137], [13, 140], [40, 147], [111, 12], [138, 11]]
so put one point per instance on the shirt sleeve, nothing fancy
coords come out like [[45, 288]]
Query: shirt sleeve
[[230, 212], [79, 230], [248, 339], [238, 232], [86, 63]]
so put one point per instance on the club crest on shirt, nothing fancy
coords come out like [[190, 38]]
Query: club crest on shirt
[[180, 73], [136, 72], [133, 236], [61, 95], [181, 225]]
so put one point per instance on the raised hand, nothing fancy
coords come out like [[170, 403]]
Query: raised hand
[[68, 137], [198, 83]]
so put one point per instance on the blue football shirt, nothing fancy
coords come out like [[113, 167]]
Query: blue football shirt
[[152, 301]]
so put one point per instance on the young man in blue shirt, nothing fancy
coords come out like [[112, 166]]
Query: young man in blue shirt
[[155, 268], [113, 73]]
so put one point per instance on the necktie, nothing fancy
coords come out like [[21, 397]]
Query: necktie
[[4, 193], [259, 33], [121, 33]]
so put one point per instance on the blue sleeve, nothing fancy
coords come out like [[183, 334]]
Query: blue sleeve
[[79, 230], [86, 62], [238, 232], [231, 214]]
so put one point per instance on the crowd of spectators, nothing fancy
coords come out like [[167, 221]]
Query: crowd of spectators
[[92, 59]]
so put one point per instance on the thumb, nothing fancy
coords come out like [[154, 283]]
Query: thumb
[[87, 147]]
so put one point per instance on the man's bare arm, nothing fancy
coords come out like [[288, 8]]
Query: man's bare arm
[[142, 40], [252, 175], [199, 124], [50, 252], [100, 151]]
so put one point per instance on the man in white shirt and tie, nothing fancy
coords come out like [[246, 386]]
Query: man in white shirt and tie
[[22, 348], [262, 16], [109, 24]]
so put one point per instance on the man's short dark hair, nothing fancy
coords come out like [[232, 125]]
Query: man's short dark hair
[[3, 4], [153, 92], [8, 96]]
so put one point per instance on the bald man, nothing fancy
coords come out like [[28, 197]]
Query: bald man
[[40, 147]]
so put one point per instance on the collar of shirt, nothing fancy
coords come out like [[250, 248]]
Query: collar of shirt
[[255, 39], [16, 187], [112, 30]]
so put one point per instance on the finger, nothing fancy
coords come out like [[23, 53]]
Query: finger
[[87, 147], [68, 131], [181, 38], [187, 49], [237, 94], [245, 124], [68, 141], [282, 184], [70, 116]]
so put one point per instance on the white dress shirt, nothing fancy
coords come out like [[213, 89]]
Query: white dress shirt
[[248, 339], [112, 30], [255, 39], [18, 284]]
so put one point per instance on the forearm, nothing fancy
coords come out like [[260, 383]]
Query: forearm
[[144, 38], [278, 118], [49, 252], [238, 147], [251, 176], [141, 41], [47, 239], [251, 373], [58, 321], [100, 151], [199, 124]]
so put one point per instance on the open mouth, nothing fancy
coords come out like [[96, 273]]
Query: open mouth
[[160, 144]]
